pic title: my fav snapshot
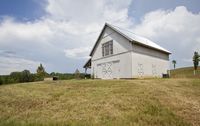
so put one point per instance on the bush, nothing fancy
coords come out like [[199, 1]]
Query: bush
[[26, 76], [38, 77], [67, 76], [62, 76], [1, 81], [19, 77], [16, 76], [7, 80], [88, 76]]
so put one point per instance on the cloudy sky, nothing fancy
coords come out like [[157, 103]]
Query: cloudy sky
[[60, 33]]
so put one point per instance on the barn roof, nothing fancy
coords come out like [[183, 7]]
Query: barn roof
[[133, 38]]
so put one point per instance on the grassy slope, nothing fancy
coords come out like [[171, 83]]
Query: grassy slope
[[186, 72], [156, 102]]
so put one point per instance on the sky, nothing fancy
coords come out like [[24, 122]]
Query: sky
[[61, 33]]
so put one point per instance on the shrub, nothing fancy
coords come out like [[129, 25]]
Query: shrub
[[37, 77], [15, 76], [88, 76], [26, 76], [1, 81]]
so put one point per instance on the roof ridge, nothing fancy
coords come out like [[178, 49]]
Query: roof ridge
[[144, 37], [124, 29]]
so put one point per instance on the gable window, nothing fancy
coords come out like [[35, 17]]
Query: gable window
[[107, 48]]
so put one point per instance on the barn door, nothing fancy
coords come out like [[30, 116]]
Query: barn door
[[109, 70], [104, 71], [109, 66]]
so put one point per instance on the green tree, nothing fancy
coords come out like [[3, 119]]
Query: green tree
[[41, 71], [26, 76], [20, 77], [16, 76], [196, 59], [174, 63]]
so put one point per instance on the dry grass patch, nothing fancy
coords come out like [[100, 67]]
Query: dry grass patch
[[155, 102]]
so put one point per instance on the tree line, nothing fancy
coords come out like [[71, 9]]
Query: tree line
[[27, 76]]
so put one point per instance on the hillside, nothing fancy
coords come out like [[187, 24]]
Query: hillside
[[186, 72], [149, 102]]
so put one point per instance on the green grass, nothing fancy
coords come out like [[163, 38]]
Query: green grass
[[149, 102], [186, 72]]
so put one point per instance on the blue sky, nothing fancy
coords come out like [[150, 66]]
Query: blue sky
[[23, 10], [34, 9], [140, 7], [60, 33]]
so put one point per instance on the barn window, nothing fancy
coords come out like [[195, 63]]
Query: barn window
[[107, 48]]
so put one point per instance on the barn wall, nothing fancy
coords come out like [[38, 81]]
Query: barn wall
[[120, 70], [148, 66]]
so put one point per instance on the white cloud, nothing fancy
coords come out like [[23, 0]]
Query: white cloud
[[177, 30], [87, 11], [62, 36], [11, 64], [77, 53]]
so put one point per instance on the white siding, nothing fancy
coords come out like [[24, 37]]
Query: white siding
[[148, 66], [120, 44], [121, 66]]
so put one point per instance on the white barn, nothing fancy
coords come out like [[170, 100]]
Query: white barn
[[119, 53]]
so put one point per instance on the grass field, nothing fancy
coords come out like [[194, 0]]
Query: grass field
[[185, 72], [151, 102]]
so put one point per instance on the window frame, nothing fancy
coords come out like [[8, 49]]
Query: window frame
[[107, 48]]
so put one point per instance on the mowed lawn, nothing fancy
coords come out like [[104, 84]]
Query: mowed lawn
[[148, 102]]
